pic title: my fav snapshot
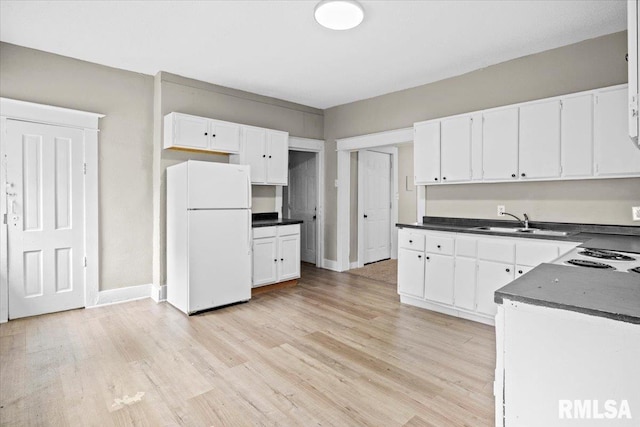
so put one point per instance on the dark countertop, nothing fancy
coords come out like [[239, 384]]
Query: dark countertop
[[270, 219], [611, 294], [613, 237]]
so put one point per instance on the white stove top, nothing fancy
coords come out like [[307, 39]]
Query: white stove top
[[600, 259]]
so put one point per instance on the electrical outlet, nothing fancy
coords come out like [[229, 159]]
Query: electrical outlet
[[500, 210], [635, 212]]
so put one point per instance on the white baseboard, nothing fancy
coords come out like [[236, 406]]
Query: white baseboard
[[451, 311], [353, 265], [330, 264], [130, 293], [158, 293]]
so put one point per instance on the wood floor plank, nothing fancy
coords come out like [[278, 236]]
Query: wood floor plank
[[335, 350]]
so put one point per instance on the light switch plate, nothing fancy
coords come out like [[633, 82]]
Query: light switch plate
[[635, 212]]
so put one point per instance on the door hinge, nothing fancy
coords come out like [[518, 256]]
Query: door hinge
[[84, 168], [561, 105], [85, 261], [4, 218]]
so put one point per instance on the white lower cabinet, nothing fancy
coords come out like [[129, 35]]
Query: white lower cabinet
[[411, 275], [458, 274], [276, 254]]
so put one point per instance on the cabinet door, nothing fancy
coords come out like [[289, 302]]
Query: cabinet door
[[464, 285], [491, 277], [277, 157], [439, 278], [411, 273], [265, 261], [288, 257], [224, 136], [455, 148], [577, 136], [539, 142], [500, 145], [426, 152], [255, 153], [615, 154], [522, 270], [191, 132], [476, 147]]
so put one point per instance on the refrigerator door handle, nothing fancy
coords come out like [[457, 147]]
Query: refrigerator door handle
[[249, 233], [248, 190]]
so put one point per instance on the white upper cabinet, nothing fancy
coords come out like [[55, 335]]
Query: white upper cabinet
[[476, 146], [615, 154], [267, 152], [277, 157], [426, 152], [224, 136], [183, 131], [577, 136], [500, 145], [455, 149], [186, 132], [539, 146], [633, 13]]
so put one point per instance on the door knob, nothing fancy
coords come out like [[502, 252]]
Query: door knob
[[314, 217]]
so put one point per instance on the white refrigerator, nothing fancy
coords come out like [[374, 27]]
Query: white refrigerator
[[208, 235]]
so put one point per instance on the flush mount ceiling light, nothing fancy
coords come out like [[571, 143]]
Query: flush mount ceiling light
[[339, 14]]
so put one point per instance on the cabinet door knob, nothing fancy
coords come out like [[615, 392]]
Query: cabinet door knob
[[366, 216], [513, 175], [444, 177], [205, 134], [281, 259], [410, 241], [419, 256], [508, 270], [275, 260], [264, 155], [519, 271], [428, 258], [213, 135], [436, 179], [439, 246], [269, 156], [523, 174]]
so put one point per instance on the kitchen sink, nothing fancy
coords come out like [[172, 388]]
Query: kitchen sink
[[520, 230]]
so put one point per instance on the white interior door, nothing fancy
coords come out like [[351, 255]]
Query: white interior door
[[45, 200], [377, 205], [303, 200]]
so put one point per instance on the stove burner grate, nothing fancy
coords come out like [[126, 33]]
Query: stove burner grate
[[634, 270], [590, 264], [603, 254]]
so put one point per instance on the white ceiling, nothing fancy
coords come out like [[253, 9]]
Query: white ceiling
[[276, 48]]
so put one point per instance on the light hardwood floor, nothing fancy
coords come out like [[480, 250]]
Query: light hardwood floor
[[337, 349]]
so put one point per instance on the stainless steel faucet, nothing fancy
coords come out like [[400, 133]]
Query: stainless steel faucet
[[525, 223]]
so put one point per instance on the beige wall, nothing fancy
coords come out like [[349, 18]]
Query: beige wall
[[587, 65], [125, 147], [176, 93], [406, 192]]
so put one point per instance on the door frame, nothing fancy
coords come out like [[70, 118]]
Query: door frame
[[313, 146], [393, 195], [57, 116], [344, 147]]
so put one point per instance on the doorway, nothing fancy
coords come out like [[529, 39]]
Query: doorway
[[374, 182], [49, 177], [301, 200]]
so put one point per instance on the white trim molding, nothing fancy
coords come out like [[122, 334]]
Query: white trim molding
[[315, 146], [11, 109], [120, 295], [379, 139], [344, 148], [158, 293]]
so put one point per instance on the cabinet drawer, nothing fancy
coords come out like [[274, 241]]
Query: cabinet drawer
[[264, 232], [496, 250], [287, 230], [533, 254], [409, 240], [439, 245], [466, 247]]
